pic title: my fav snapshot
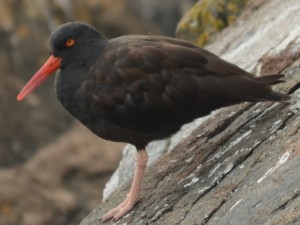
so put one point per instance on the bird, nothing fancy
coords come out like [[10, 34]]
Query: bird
[[140, 88]]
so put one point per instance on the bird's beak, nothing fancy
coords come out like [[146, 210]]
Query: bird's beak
[[52, 64]]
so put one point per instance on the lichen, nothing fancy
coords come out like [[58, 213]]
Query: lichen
[[201, 23]]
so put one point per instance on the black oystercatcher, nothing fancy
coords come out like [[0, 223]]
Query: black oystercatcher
[[138, 88]]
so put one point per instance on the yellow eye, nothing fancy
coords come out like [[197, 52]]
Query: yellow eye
[[70, 42]]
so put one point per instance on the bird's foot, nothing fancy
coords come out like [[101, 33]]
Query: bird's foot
[[134, 194], [123, 208]]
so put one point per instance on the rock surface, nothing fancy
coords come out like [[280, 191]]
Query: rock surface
[[241, 165]]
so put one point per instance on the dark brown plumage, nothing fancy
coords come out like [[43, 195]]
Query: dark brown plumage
[[137, 88]]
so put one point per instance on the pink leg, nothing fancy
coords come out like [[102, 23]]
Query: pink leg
[[134, 194]]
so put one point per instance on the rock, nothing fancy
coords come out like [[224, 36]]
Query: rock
[[61, 183], [206, 18], [241, 165]]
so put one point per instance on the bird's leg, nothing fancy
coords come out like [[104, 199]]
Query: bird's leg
[[134, 194]]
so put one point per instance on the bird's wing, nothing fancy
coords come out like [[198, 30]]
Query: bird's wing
[[147, 82]]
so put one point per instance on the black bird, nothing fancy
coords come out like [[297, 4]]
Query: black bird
[[139, 88]]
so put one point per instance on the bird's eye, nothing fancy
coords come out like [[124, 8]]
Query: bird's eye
[[70, 42]]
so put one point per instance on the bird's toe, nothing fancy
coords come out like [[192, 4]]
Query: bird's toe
[[123, 208]]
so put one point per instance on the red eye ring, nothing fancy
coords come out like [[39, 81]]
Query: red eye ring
[[70, 42]]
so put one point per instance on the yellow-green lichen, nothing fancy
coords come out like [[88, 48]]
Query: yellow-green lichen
[[206, 18]]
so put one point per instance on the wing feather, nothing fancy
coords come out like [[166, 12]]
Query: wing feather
[[156, 82]]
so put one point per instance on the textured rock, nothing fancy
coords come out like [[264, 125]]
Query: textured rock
[[241, 165]]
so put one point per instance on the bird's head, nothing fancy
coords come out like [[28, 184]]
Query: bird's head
[[70, 43]]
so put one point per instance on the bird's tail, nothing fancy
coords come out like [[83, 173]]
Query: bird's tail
[[271, 95], [271, 79]]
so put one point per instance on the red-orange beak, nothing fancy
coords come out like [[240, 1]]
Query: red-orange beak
[[52, 64]]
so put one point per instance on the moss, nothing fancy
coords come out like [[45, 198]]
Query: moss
[[206, 18]]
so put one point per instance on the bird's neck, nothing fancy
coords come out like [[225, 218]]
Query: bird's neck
[[70, 81], [67, 84], [69, 92], [72, 75]]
